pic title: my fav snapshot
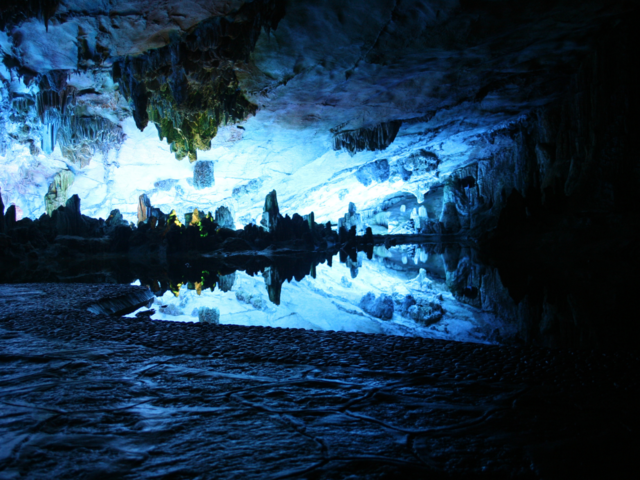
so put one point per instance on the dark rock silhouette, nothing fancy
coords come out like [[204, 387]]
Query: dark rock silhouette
[[271, 212]]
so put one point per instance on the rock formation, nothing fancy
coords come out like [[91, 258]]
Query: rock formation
[[224, 218], [209, 315], [381, 307], [189, 88], [203, 174], [504, 123], [57, 194], [377, 171], [374, 138], [270, 212], [351, 219]]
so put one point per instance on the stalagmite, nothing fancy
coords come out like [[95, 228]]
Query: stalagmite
[[57, 194], [224, 218], [270, 212]]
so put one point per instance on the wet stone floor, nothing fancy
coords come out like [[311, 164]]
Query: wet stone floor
[[86, 395]]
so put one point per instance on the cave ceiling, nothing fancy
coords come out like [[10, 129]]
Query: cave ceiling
[[297, 96]]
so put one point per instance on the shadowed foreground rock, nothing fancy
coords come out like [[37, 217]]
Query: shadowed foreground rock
[[87, 395]]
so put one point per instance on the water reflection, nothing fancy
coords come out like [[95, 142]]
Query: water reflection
[[209, 273], [444, 290], [402, 290], [433, 290]]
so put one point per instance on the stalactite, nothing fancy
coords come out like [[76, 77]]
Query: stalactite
[[374, 138], [53, 100], [14, 12], [189, 88], [81, 136]]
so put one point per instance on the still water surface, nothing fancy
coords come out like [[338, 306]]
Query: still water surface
[[410, 290]]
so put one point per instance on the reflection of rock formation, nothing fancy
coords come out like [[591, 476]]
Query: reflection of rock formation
[[225, 282], [353, 266], [253, 299], [545, 299], [273, 283]]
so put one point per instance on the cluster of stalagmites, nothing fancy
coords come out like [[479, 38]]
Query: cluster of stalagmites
[[65, 232]]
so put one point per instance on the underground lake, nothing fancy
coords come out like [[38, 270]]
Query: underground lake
[[317, 239]]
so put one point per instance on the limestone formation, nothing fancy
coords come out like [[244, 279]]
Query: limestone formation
[[13, 12], [144, 208], [426, 312], [115, 219], [352, 219], [253, 186], [189, 95], [10, 217], [209, 315], [146, 211], [224, 218], [203, 174], [270, 212], [450, 218], [68, 219], [377, 171], [374, 138], [165, 185], [81, 137], [381, 307], [226, 282], [57, 194]]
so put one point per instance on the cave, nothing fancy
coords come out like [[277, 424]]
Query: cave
[[319, 239]]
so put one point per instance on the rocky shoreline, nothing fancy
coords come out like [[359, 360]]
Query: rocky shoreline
[[195, 400]]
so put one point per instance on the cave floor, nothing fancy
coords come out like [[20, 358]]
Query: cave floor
[[97, 396]]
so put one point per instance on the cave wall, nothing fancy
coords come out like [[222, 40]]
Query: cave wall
[[338, 104], [559, 199], [576, 156]]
